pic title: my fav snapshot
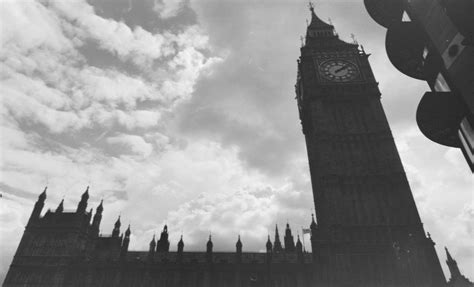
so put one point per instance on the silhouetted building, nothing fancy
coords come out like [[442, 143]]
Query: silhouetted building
[[368, 231], [457, 279], [434, 41]]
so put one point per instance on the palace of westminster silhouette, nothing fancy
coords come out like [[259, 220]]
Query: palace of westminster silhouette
[[367, 230]]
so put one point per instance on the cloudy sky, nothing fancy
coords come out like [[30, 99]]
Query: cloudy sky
[[183, 112]]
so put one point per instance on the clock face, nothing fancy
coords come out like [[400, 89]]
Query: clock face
[[339, 70]]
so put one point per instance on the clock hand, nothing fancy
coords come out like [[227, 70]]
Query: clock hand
[[342, 68]]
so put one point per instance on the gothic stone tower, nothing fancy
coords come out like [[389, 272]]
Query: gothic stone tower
[[368, 230]]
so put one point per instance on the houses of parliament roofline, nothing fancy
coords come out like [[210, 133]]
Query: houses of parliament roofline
[[115, 246]]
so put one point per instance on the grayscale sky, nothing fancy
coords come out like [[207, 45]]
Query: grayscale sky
[[183, 112]]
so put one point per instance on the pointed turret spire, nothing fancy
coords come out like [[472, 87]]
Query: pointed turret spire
[[35, 214], [452, 264], [163, 244], [180, 245], [82, 206], [313, 225], [316, 22], [116, 230], [42, 195], [60, 207], [269, 245], [151, 250], [85, 195], [299, 250], [152, 244], [318, 29], [125, 242], [299, 245], [98, 215], [209, 245], [238, 245], [289, 240], [100, 208], [238, 250], [457, 279], [277, 244]]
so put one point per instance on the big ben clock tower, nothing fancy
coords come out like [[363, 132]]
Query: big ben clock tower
[[368, 230]]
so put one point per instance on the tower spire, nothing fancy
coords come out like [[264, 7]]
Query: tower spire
[[277, 244], [269, 245], [116, 230], [126, 242], [152, 244], [82, 206], [209, 249], [238, 245], [98, 216], [318, 30], [209, 244], [457, 279], [163, 244], [289, 240], [180, 245], [452, 264], [60, 207], [35, 214]]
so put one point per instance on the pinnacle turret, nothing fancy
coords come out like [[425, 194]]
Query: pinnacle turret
[[152, 244], [163, 244], [238, 245], [98, 215], [42, 196], [269, 245], [100, 208], [209, 245], [289, 241], [60, 207], [35, 214], [457, 279], [125, 242], [277, 244], [313, 225], [180, 245], [82, 206], [299, 245], [116, 230]]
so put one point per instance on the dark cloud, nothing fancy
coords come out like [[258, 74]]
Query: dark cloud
[[143, 13]]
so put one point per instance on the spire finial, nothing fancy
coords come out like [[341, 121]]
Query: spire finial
[[311, 6], [60, 207], [42, 195], [448, 255]]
